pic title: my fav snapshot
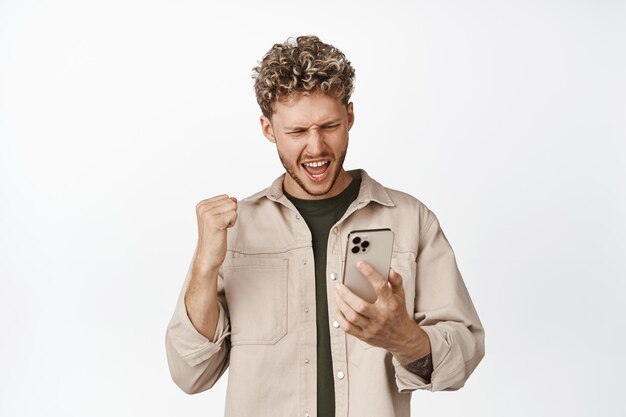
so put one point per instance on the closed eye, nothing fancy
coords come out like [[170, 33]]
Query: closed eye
[[299, 132]]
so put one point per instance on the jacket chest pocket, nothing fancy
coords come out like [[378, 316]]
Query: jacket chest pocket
[[404, 264], [256, 293]]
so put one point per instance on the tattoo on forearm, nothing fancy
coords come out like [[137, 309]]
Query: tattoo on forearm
[[422, 367]]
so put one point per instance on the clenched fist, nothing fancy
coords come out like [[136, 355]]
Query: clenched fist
[[215, 215]]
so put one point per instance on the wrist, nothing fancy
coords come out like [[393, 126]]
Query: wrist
[[204, 270], [415, 346]]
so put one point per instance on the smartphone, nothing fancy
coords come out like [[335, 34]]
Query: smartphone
[[373, 246]]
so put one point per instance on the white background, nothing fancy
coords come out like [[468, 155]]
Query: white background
[[507, 118]]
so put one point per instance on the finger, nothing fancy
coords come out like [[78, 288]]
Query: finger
[[222, 206], [376, 280], [356, 303], [345, 325], [395, 280], [226, 220], [349, 313], [222, 198], [217, 206], [215, 198], [232, 220]]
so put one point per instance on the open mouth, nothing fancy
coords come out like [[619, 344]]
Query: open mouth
[[318, 170]]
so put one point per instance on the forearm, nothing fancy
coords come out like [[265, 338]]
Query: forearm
[[195, 368], [415, 354], [195, 364], [201, 300]]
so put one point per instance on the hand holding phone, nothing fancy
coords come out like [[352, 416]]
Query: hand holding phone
[[373, 246]]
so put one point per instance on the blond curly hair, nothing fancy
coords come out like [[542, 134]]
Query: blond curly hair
[[305, 64]]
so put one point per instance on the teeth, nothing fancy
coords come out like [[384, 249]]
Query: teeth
[[316, 164]]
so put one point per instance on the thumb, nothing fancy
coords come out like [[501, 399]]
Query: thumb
[[395, 280]]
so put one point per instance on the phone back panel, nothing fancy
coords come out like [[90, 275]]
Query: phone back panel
[[373, 246]]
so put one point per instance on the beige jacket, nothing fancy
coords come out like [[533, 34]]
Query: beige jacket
[[266, 332]]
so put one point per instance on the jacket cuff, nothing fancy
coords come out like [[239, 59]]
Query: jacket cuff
[[406, 380], [191, 345], [447, 367]]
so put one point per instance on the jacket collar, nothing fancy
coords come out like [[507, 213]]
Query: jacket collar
[[370, 190]]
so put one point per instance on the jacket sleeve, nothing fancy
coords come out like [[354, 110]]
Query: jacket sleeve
[[444, 309], [195, 362]]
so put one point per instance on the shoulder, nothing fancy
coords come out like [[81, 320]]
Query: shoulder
[[263, 198], [405, 200], [255, 198], [411, 206]]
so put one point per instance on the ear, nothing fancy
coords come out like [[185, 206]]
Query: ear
[[350, 109], [266, 128]]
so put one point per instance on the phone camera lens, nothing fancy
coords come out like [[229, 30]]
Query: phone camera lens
[[365, 243], [356, 240], [355, 249]]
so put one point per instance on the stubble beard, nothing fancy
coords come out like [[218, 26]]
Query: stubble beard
[[292, 173]]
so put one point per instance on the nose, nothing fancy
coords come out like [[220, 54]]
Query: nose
[[315, 143]]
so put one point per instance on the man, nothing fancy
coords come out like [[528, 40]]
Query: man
[[264, 295]]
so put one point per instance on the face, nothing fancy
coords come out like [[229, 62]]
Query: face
[[311, 128]]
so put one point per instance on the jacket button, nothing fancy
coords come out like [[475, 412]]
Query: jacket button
[[336, 324], [298, 216], [333, 276], [340, 375]]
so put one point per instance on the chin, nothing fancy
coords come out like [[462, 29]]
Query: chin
[[307, 183], [320, 188]]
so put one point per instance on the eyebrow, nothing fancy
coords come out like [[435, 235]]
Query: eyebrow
[[330, 122]]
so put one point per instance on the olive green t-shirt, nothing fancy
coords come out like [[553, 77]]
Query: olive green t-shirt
[[320, 216]]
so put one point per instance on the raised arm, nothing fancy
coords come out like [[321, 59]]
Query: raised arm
[[196, 338]]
